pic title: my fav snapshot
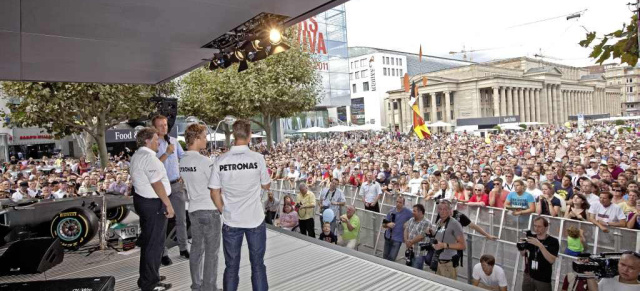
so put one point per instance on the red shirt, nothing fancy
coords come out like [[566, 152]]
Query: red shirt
[[484, 198], [499, 202]]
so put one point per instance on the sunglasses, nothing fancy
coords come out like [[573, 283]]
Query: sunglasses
[[477, 190]]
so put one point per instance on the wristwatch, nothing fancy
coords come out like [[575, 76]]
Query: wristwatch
[[447, 245]]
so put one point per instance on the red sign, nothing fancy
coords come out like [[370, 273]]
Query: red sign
[[309, 36], [43, 136]]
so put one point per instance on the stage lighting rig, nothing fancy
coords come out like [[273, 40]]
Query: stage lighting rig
[[254, 40]]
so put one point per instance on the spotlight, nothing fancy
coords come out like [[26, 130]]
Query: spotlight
[[236, 56], [250, 46], [213, 65], [257, 56], [225, 62], [243, 66], [275, 37], [279, 48]]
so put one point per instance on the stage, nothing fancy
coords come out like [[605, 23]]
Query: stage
[[293, 263]]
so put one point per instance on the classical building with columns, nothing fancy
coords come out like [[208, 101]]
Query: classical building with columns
[[533, 90]]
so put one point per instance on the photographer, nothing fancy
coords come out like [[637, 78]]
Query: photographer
[[414, 233], [627, 280], [540, 251], [332, 198], [450, 239], [393, 224]]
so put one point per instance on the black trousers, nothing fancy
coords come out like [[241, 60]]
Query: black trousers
[[153, 225], [374, 208], [269, 216], [307, 227]]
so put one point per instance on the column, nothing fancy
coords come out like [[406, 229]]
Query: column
[[566, 105], [527, 108], [503, 102], [532, 104], [509, 101], [434, 113], [521, 103], [447, 106], [420, 104], [560, 107], [496, 101], [536, 96], [516, 102], [549, 104]]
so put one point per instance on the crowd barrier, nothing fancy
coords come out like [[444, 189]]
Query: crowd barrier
[[495, 221]]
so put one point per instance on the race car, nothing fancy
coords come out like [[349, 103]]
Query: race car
[[74, 220]]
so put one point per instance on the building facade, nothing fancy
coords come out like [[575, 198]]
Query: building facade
[[374, 72], [627, 78], [532, 90]]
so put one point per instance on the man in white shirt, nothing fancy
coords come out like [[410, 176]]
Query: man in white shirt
[[605, 213], [371, 192], [532, 189], [206, 224], [627, 280], [489, 276], [236, 182], [151, 190], [415, 182]]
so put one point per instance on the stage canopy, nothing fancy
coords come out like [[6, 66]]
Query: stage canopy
[[118, 41]]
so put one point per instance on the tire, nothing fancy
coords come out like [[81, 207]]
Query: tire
[[74, 227], [117, 214]]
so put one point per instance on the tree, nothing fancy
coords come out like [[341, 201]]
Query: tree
[[625, 49], [67, 108], [276, 87]]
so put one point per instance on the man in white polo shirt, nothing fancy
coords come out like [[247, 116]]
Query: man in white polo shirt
[[195, 170], [236, 182], [151, 190], [489, 276]]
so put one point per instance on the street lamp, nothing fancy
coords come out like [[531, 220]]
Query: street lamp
[[229, 120]]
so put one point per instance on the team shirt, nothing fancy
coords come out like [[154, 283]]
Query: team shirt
[[240, 173], [497, 277], [147, 169], [195, 170]]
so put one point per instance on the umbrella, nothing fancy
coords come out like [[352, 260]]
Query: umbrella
[[373, 127], [312, 130], [340, 128], [439, 124], [467, 128], [510, 126], [532, 123]]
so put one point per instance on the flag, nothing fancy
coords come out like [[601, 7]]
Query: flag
[[420, 53], [421, 129]]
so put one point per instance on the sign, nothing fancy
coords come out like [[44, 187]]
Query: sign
[[312, 39], [357, 111], [372, 73], [492, 121], [31, 136], [121, 135], [580, 122], [42, 136]]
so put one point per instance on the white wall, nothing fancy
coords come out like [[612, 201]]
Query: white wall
[[374, 100]]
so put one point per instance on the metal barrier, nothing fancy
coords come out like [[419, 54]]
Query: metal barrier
[[495, 221]]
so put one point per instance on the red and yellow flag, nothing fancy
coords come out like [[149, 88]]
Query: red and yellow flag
[[419, 127]]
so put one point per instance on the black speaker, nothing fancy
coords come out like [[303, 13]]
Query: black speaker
[[93, 284], [168, 107], [29, 256]]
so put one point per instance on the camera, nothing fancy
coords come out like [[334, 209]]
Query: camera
[[393, 219], [428, 245], [604, 265], [408, 257], [523, 244]]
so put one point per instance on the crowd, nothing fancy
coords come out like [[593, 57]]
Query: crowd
[[586, 175], [58, 177]]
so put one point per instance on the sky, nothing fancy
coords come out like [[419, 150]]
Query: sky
[[488, 26]]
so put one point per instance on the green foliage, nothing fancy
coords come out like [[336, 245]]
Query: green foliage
[[183, 144], [522, 125], [625, 48], [66, 108], [281, 85], [498, 128], [619, 122]]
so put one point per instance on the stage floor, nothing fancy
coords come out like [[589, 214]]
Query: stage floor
[[293, 263]]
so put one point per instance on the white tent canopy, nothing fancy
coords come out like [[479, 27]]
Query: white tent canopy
[[373, 127], [341, 128], [467, 128], [440, 124], [312, 130]]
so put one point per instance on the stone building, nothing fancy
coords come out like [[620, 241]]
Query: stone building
[[529, 90]]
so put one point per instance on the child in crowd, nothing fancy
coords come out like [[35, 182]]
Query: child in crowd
[[575, 241], [327, 235]]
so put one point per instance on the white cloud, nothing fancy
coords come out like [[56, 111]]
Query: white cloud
[[443, 26]]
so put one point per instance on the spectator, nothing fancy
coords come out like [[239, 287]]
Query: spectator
[[605, 213], [393, 235], [288, 218], [547, 203], [350, 228], [450, 238], [306, 205], [566, 188], [371, 192], [540, 254], [575, 241], [332, 198], [617, 192], [634, 216], [489, 276], [414, 233], [498, 196], [424, 188], [578, 209], [327, 235], [270, 208], [614, 169], [532, 188], [522, 202], [627, 280], [480, 198], [486, 181], [415, 182], [119, 186]]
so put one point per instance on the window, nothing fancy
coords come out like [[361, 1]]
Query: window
[[384, 71], [353, 89], [398, 72], [350, 76], [363, 74], [630, 89], [451, 115], [426, 116], [389, 106], [393, 72], [387, 60], [426, 100], [357, 75], [439, 115], [395, 105], [392, 61], [365, 86], [401, 74], [400, 62], [362, 63], [352, 65], [451, 97], [438, 101]]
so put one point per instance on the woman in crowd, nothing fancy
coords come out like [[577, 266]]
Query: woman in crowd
[[467, 192], [633, 220], [424, 189], [578, 208], [403, 185], [288, 217], [629, 205], [480, 197], [547, 203]]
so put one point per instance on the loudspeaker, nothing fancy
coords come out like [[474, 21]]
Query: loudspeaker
[[168, 107], [34, 255], [93, 284]]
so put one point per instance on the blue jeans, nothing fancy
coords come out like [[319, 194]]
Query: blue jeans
[[391, 249], [232, 238], [205, 233], [418, 261]]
